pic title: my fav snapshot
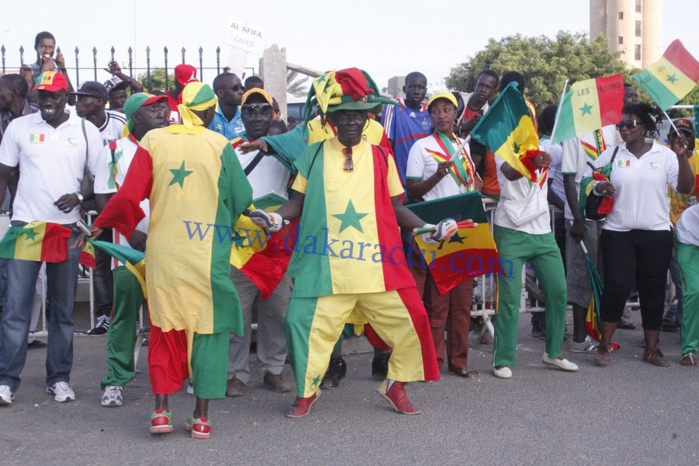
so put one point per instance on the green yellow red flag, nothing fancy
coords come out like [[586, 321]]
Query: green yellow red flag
[[507, 129], [588, 106], [36, 241], [471, 252], [672, 77], [133, 260]]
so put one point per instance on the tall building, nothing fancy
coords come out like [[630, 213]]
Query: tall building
[[632, 26]]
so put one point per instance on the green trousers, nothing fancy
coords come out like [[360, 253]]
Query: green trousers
[[688, 258], [121, 338], [516, 248]]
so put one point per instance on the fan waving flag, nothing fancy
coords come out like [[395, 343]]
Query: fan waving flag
[[263, 259], [36, 241], [672, 77], [507, 129], [589, 105], [471, 252]]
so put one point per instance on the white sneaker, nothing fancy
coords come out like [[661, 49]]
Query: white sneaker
[[6, 395], [503, 373], [61, 391], [112, 396], [588, 345], [562, 364]]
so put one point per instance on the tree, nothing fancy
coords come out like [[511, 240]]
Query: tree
[[157, 80], [295, 83], [544, 62]]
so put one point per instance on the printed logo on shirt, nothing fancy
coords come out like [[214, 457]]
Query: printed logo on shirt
[[35, 138], [653, 165], [425, 125], [623, 163], [72, 141]]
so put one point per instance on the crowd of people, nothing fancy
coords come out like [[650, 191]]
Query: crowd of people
[[204, 155]]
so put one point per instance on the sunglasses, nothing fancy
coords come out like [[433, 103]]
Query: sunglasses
[[628, 124], [235, 88], [257, 108]]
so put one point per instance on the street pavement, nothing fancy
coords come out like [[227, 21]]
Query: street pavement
[[629, 413]]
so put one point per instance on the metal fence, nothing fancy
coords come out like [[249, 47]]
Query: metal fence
[[17, 60]]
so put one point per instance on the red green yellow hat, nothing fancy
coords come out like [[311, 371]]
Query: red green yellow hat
[[51, 81]]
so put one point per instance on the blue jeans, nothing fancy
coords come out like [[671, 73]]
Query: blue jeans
[[62, 280]]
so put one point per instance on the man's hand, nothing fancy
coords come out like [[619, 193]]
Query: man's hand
[[259, 144], [602, 188], [543, 159], [48, 64], [138, 240], [577, 230], [60, 61], [95, 232], [67, 202], [443, 168], [113, 67], [442, 231]]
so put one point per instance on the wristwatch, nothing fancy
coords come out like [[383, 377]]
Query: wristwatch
[[80, 197]]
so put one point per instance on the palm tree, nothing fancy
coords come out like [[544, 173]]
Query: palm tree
[[295, 83]]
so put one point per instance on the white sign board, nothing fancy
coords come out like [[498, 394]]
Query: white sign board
[[245, 36]]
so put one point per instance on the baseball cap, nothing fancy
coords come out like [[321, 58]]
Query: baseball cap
[[115, 83], [92, 89], [136, 101], [185, 74], [257, 90], [684, 123], [442, 95], [51, 81]]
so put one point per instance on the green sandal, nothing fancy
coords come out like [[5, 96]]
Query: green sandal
[[160, 422], [199, 426]]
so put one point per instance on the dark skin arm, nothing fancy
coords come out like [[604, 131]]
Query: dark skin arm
[[553, 199], [292, 209], [685, 177], [541, 160], [577, 230], [418, 188], [405, 217]]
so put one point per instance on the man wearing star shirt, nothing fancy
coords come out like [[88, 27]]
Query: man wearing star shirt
[[408, 121], [347, 192], [266, 176], [144, 112], [54, 148]]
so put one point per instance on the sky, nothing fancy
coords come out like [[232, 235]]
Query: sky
[[385, 37]]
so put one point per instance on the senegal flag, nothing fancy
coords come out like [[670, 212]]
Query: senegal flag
[[263, 259], [508, 131], [589, 105], [87, 255], [133, 260], [670, 78], [471, 252], [36, 241]]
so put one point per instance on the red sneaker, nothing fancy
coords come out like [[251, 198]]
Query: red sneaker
[[302, 406], [199, 426], [160, 422], [398, 398]]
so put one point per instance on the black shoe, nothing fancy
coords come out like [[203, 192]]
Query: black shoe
[[337, 370], [626, 325], [101, 327], [379, 365]]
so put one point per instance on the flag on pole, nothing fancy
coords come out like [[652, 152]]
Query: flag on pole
[[589, 105], [507, 129], [36, 241], [471, 252], [87, 255], [672, 77]]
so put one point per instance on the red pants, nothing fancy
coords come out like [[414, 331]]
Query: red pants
[[167, 360]]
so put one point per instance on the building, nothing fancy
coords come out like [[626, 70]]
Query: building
[[632, 26]]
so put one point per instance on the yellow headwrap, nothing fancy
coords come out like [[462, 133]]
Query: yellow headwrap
[[195, 96]]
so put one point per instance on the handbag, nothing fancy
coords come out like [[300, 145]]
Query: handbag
[[592, 206]]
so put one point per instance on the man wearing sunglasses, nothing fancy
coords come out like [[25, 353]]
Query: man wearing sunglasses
[[228, 119], [266, 175]]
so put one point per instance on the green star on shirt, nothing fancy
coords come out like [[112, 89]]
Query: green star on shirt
[[672, 78], [316, 381], [179, 175], [350, 218], [31, 234], [586, 110]]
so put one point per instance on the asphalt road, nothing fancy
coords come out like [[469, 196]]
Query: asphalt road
[[628, 413]]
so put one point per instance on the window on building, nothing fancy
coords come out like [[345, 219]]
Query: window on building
[[638, 5], [637, 55], [621, 15], [638, 29], [621, 40]]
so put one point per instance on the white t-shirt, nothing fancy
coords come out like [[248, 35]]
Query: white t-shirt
[[111, 129], [106, 182], [512, 198], [269, 176], [687, 228], [555, 169], [52, 161], [421, 165], [575, 157], [641, 201]]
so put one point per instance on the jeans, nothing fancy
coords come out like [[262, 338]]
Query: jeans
[[62, 280]]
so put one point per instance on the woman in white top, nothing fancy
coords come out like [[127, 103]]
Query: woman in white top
[[636, 239]]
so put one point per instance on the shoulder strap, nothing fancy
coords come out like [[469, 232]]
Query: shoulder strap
[[320, 146], [251, 166], [87, 144]]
